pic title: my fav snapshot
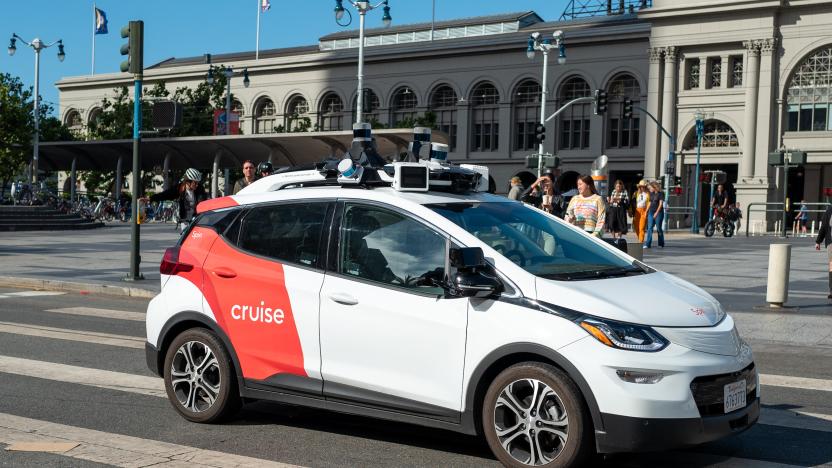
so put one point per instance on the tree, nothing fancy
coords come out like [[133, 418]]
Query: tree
[[16, 128]]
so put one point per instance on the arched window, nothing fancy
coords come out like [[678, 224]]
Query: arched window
[[717, 134], [575, 120], [810, 93], [443, 104], [622, 133], [330, 113], [264, 116], [237, 106], [370, 106], [485, 118], [403, 106], [296, 117], [95, 114], [526, 114], [74, 122]]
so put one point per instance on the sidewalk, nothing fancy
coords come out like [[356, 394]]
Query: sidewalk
[[94, 261]]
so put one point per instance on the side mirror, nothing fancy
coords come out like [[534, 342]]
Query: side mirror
[[472, 279], [620, 244]]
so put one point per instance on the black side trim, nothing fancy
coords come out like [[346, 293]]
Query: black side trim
[[542, 306], [165, 337], [289, 383], [469, 416], [151, 355], [629, 434], [340, 393]]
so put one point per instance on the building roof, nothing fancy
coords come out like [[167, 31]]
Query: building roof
[[525, 16], [234, 56]]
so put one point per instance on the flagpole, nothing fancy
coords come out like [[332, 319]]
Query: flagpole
[[257, 48], [93, 39], [432, 19]]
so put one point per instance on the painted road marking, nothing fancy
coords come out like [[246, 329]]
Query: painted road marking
[[101, 313], [30, 294], [143, 385], [64, 334], [803, 383], [154, 386], [117, 449]]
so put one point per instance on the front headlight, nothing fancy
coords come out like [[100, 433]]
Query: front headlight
[[624, 335]]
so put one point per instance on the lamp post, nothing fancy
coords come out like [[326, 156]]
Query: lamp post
[[363, 7], [37, 45], [228, 72], [536, 43], [700, 131]]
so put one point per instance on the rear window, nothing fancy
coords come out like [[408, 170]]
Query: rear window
[[289, 233]]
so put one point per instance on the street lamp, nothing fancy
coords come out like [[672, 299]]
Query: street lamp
[[700, 131], [37, 45], [537, 43], [228, 72], [363, 7]]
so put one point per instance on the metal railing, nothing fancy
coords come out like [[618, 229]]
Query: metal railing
[[779, 209]]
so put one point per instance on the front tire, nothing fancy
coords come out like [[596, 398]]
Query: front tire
[[199, 377], [533, 415], [710, 228]]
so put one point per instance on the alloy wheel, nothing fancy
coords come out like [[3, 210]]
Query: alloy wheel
[[531, 422], [195, 376]]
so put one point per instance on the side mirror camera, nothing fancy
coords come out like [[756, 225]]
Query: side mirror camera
[[472, 278]]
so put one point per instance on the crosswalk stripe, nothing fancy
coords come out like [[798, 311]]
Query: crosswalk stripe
[[143, 385], [154, 386], [101, 313], [33, 294], [64, 334], [803, 383], [120, 450]]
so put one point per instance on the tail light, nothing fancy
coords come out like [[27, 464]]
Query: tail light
[[171, 264]]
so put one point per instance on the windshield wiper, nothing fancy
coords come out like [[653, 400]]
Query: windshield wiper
[[592, 274]]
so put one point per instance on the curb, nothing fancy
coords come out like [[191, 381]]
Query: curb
[[70, 286]]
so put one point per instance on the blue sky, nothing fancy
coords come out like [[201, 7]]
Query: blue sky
[[193, 27]]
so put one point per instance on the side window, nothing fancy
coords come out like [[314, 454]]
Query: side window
[[289, 233], [383, 246]]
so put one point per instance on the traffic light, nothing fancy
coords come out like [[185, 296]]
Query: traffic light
[[677, 180], [600, 102], [167, 115], [628, 108], [134, 49], [539, 133]]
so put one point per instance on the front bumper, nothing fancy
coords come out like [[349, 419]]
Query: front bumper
[[151, 354], [631, 434]]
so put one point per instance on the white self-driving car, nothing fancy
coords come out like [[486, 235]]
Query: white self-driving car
[[410, 295]]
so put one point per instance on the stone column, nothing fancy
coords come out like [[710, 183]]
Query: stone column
[[652, 138], [752, 80], [463, 129], [726, 71], [765, 108], [703, 72], [505, 145], [668, 101]]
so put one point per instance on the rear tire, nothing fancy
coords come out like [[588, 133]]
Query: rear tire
[[533, 415], [728, 229], [199, 377]]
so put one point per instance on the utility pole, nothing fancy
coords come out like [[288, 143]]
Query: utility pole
[[134, 50]]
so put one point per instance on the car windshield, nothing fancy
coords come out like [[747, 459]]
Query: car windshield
[[537, 242]]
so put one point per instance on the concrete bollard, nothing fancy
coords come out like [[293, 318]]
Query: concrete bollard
[[635, 250], [777, 289], [813, 229]]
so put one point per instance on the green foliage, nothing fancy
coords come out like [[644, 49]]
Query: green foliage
[[295, 124], [428, 119]]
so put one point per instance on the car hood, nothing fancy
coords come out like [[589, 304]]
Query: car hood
[[655, 299]]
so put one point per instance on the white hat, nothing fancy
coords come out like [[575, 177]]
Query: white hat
[[193, 174]]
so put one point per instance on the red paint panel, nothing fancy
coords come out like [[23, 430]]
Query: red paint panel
[[215, 204], [254, 310]]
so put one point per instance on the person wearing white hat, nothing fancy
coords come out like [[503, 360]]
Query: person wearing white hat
[[189, 193]]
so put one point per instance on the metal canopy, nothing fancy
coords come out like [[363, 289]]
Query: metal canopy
[[284, 149]]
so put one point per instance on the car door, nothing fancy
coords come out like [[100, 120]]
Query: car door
[[266, 276], [389, 337]]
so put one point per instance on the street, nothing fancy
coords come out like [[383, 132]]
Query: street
[[73, 370]]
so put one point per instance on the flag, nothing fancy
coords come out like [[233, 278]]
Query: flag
[[265, 5], [100, 22]]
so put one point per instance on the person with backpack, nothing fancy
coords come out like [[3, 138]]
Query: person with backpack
[[189, 193]]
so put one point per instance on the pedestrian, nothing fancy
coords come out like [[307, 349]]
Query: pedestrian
[[189, 193], [516, 190], [803, 217], [619, 201], [587, 209], [248, 176], [640, 214], [737, 216], [655, 215], [825, 236], [265, 169]]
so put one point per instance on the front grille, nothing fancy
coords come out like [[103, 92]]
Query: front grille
[[709, 391]]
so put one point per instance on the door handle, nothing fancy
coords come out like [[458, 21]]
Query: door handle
[[225, 272], [345, 299]]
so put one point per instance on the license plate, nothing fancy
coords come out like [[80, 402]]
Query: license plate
[[734, 396]]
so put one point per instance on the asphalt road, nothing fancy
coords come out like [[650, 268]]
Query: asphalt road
[[60, 382]]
